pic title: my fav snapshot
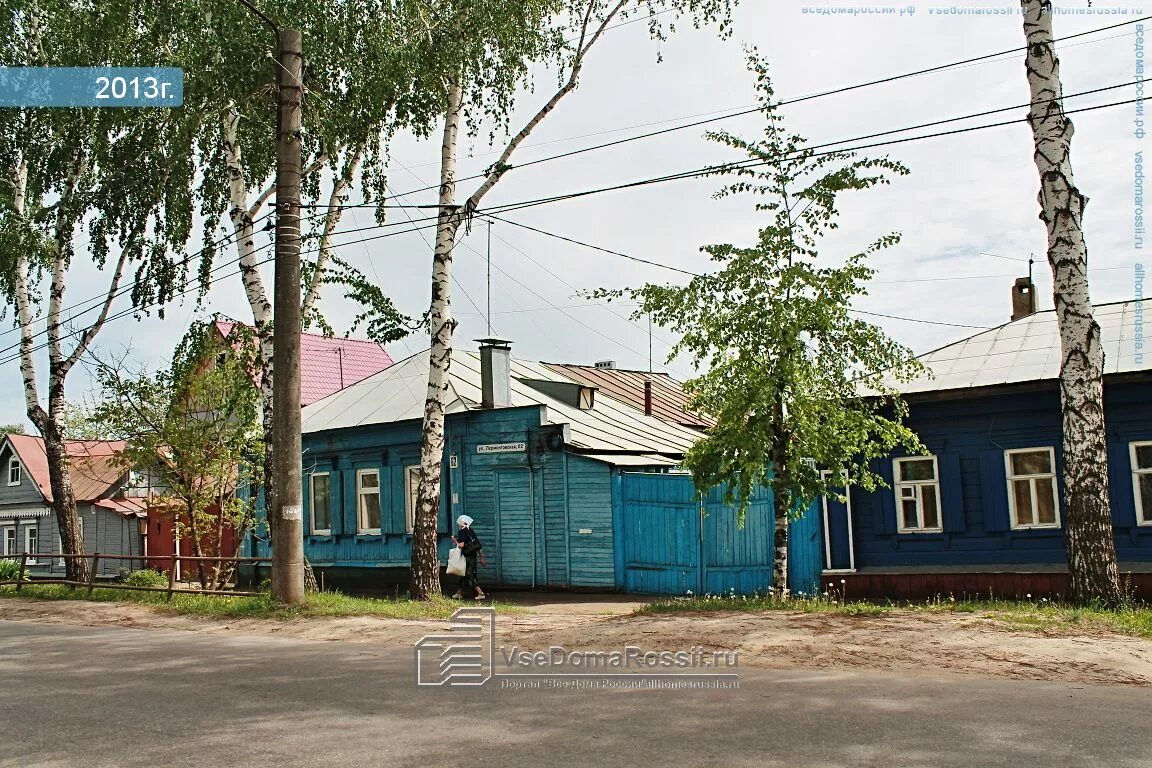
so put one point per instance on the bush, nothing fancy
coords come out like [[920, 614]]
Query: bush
[[9, 570], [146, 578]]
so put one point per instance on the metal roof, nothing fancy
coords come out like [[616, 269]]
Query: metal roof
[[398, 393], [330, 363], [1027, 350], [95, 464], [669, 401]]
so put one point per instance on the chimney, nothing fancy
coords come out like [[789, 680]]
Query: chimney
[[647, 397], [495, 373], [1023, 298]]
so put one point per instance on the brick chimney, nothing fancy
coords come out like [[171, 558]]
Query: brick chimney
[[495, 373], [1023, 298]]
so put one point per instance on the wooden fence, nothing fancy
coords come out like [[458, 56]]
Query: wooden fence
[[96, 557]]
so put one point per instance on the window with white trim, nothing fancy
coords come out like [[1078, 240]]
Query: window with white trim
[[1142, 480], [10, 541], [368, 501], [917, 489], [411, 487], [321, 503], [1031, 476], [14, 471], [31, 543]]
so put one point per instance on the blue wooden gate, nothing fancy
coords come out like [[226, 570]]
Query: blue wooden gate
[[672, 542]]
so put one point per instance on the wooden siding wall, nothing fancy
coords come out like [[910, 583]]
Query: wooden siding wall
[[25, 494], [529, 506], [105, 531], [969, 438]]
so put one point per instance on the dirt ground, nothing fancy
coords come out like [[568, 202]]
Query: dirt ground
[[901, 641]]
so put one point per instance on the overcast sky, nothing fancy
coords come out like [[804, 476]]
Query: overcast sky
[[967, 195]]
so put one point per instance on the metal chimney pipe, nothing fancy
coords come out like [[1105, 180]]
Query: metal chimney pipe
[[495, 373]]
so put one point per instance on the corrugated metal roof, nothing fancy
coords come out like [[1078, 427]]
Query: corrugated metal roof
[[397, 394], [1027, 350], [329, 364], [669, 401], [94, 463]]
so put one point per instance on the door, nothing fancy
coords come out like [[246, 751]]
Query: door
[[515, 523], [838, 543], [661, 536]]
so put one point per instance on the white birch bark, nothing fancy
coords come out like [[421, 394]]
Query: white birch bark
[[339, 195], [425, 561], [1087, 516]]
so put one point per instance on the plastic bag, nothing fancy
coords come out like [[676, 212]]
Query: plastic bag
[[457, 565]]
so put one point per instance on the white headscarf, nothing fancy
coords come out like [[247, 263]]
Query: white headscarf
[[463, 521]]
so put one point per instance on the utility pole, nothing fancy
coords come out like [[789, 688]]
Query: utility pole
[[287, 528]]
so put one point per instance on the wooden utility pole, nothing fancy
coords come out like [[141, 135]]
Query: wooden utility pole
[[287, 528]]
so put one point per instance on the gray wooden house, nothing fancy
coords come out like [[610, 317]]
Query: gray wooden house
[[112, 517]]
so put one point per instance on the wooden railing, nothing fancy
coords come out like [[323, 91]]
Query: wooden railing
[[96, 557]]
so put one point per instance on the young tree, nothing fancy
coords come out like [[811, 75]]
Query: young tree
[[196, 428], [481, 54], [1088, 538], [125, 175], [784, 360]]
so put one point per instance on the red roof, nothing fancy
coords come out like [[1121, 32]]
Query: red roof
[[329, 364], [669, 400], [95, 467]]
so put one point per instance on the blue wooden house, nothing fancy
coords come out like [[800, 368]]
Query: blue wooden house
[[571, 484], [982, 512]]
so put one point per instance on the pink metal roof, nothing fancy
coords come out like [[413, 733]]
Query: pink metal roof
[[329, 364]]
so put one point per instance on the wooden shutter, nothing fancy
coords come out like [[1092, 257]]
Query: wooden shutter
[[951, 492], [994, 491], [884, 499]]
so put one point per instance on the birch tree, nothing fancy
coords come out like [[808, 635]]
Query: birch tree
[[123, 175], [482, 52], [783, 360], [1088, 538], [358, 93]]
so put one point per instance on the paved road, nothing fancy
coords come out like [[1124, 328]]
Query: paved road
[[80, 696]]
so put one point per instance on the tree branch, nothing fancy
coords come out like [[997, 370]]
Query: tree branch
[[500, 167]]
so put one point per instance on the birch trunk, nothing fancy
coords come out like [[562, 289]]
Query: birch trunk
[[780, 503], [425, 559], [1089, 541]]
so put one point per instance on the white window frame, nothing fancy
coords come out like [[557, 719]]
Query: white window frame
[[1137, 473], [32, 532], [312, 505], [361, 492], [1009, 477], [410, 497], [5, 532], [897, 485], [14, 463]]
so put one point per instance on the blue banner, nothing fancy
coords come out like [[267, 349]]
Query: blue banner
[[91, 87]]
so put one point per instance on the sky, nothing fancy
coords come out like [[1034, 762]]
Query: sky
[[967, 212]]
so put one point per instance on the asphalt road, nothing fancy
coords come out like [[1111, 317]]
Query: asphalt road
[[80, 696]]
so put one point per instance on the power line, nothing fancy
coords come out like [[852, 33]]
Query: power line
[[800, 99]]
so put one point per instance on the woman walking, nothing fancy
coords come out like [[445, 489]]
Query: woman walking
[[473, 550]]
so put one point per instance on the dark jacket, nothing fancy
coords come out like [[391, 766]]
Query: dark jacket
[[469, 542]]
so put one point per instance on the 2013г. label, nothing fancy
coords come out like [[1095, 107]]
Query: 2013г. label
[[118, 88]]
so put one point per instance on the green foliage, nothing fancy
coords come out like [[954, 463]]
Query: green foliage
[[9, 569], [194, 427], [146, 578], [320, 604], [784, 361], [11, 429]]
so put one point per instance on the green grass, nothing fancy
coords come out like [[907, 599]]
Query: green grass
[[1041, 615], [323, 604]]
